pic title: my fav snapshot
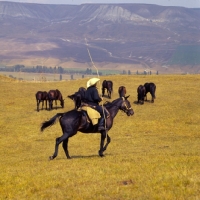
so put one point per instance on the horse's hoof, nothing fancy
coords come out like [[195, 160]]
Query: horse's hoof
[[69, 157], [51, 158], [101, 154]]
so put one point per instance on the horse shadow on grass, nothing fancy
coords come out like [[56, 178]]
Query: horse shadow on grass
[[83, 157], [136, 102], [44, 109], [106, 96]]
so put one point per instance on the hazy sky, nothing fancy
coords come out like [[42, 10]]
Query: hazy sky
[[183, 3]]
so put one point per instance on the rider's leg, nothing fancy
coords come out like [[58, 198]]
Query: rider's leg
[[101, 124]]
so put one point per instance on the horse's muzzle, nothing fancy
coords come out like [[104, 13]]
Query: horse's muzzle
[[130, 112]]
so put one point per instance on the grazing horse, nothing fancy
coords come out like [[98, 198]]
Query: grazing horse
[[78, 96], [41, 97], [109, 86], [122, 91], [73, 121], [141, 93], [55, 95], [150, 87]]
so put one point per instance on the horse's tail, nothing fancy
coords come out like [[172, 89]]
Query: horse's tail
[[50, 122]]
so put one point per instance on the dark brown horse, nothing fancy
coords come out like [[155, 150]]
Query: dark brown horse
[[77, 97], [41, 97], [150, 87], [73, 121], [141, 93], [122, 91], [109, 86], [54, 95]]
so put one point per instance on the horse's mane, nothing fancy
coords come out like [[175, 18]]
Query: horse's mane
[[108, 104]]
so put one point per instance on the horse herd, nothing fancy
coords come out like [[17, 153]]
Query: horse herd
[[77, 120], [54, 95]]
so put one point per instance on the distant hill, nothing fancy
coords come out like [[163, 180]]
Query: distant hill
[[137, 36]]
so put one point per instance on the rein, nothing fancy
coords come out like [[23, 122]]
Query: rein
[[99, 81], [126, 107]]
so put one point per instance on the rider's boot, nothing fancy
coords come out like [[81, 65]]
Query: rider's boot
[[101, 124]]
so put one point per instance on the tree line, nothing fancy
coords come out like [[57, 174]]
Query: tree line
[[44, 69]]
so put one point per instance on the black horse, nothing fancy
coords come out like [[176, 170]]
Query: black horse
[[73, 121], [150, 87], [55, 95], [141, 94], [122, 91], [109, 86], [77, 97], [41, 97]]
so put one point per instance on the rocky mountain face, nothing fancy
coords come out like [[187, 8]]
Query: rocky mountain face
[[132, 34]]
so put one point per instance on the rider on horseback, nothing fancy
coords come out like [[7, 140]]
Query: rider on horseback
[[92, 98]]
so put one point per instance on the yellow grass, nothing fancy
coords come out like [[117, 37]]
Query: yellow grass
[[154, 154]]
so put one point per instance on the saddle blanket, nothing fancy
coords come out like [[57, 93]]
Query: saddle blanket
[[92, 114]]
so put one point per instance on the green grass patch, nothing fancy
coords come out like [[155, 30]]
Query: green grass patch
[[186, 55]]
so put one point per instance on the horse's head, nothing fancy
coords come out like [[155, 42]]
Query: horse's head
[[77, 98], [126, 106]]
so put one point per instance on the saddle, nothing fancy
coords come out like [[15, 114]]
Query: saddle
[[92, 114]]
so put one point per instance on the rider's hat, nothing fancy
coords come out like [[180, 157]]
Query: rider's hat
[[92, 82]]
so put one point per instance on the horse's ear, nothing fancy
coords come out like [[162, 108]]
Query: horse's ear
[[127, 97]]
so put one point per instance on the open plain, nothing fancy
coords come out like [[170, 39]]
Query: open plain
[[154, 154]]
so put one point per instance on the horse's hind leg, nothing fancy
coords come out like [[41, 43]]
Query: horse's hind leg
[[107, 143], [152, 97], [65, 147], [58, 141]]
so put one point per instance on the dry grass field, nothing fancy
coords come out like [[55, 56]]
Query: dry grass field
[[154, 154]]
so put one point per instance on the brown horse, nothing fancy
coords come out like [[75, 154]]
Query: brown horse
[[109, 86], [41, 97], [73, 121], [122, 91], [54, 95], [141, 94], [78, 96]]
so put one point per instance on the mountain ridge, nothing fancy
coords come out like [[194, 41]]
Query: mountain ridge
[[148, 35]]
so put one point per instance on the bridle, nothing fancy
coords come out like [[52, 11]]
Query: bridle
[[126, 108]]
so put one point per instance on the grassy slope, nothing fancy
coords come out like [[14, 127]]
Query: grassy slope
[[152, 155], [186, 55]]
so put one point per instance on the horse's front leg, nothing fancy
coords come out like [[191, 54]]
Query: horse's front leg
[[103, 91], [50, 104], [152, 98], [109, 94], [38, 105], [46, 104], [107, 143], [103, 136], [42, 104]]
